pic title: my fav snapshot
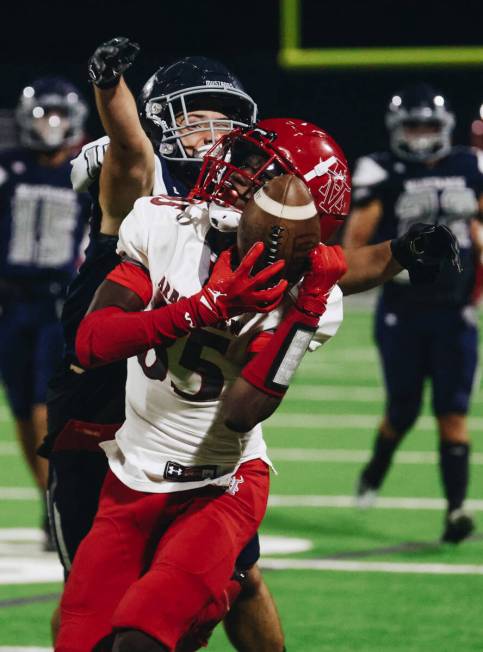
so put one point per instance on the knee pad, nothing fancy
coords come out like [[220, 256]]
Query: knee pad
[[132, 640], [403, 412]]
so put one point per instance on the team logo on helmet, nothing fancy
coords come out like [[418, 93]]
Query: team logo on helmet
[[334, 188]]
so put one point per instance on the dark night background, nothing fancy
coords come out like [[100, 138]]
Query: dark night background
[[58, 37]]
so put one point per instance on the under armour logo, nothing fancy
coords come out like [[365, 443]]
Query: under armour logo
[[173, 470], [234, 485]]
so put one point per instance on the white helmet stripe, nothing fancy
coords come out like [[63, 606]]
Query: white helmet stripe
[[275, 208]]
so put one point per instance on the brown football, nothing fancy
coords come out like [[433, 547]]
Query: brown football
[[283, 216]]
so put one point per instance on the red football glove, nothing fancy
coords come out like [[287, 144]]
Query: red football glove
[[327, 266], [228, 293]]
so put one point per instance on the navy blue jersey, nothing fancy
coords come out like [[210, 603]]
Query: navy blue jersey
[[42, 223], [444, 193]]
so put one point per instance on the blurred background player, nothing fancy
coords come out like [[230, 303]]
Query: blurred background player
[[42, 222], [427, 330], [183, 108]]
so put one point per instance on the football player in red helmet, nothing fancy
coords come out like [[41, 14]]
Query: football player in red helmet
[[246, 158]]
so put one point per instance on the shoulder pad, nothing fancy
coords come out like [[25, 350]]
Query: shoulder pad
[[87, 164], [368, 172]]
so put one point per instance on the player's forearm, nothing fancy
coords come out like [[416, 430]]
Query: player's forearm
[[111, 334], [265, 379], [244, 406], [119, 116], [368, 267]]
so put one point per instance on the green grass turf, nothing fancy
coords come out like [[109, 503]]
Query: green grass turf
[[328, 611]]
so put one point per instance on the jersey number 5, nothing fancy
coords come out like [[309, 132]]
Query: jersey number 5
[[211, 376]]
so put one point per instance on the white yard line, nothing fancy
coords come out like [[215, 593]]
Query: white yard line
[[370, 567], [13, 648], [5, 414], [304, 421], [8, 449], [348, 455], [277, 500], [356, 393], [18, 493]]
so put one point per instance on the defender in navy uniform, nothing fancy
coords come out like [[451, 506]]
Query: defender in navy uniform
[[42, 222], [423, 330], [183, 108]]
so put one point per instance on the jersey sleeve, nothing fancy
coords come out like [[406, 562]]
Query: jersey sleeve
[[368, 180], [87, 165], [331, 319], [134, 277]]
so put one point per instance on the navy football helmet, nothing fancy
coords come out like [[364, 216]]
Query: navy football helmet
[[51, 114], [190, 84], [419, 107]]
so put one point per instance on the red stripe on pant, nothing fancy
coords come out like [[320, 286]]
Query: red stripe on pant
[[154, 562]]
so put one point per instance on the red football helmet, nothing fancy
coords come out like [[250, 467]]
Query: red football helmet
[[279, 146]]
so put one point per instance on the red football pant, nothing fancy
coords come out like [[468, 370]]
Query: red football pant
[[154, 562]]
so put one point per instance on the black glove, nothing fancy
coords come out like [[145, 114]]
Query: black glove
[[423, 249], [111, 60]]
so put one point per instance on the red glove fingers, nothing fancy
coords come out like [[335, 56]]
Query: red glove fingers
[[229, 293], [327, 266]]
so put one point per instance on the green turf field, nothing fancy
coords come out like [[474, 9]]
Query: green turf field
[[375, 580]]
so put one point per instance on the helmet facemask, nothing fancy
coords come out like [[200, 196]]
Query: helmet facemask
[[170, 115], [235, 167]]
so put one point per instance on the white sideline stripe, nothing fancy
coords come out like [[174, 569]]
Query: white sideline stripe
[[370, 566], [18, 493], [277, 500], [346, 456], [304, 421], [16, 534]]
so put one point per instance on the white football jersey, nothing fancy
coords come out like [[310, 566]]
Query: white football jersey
[[174, 417], [86, 167]]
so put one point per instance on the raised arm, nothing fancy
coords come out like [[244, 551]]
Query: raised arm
[[128, 169]]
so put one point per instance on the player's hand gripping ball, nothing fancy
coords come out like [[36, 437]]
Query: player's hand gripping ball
[[283, 216], [327, 266], [231, 292]]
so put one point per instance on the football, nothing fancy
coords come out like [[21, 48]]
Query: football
[[283, 216]]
